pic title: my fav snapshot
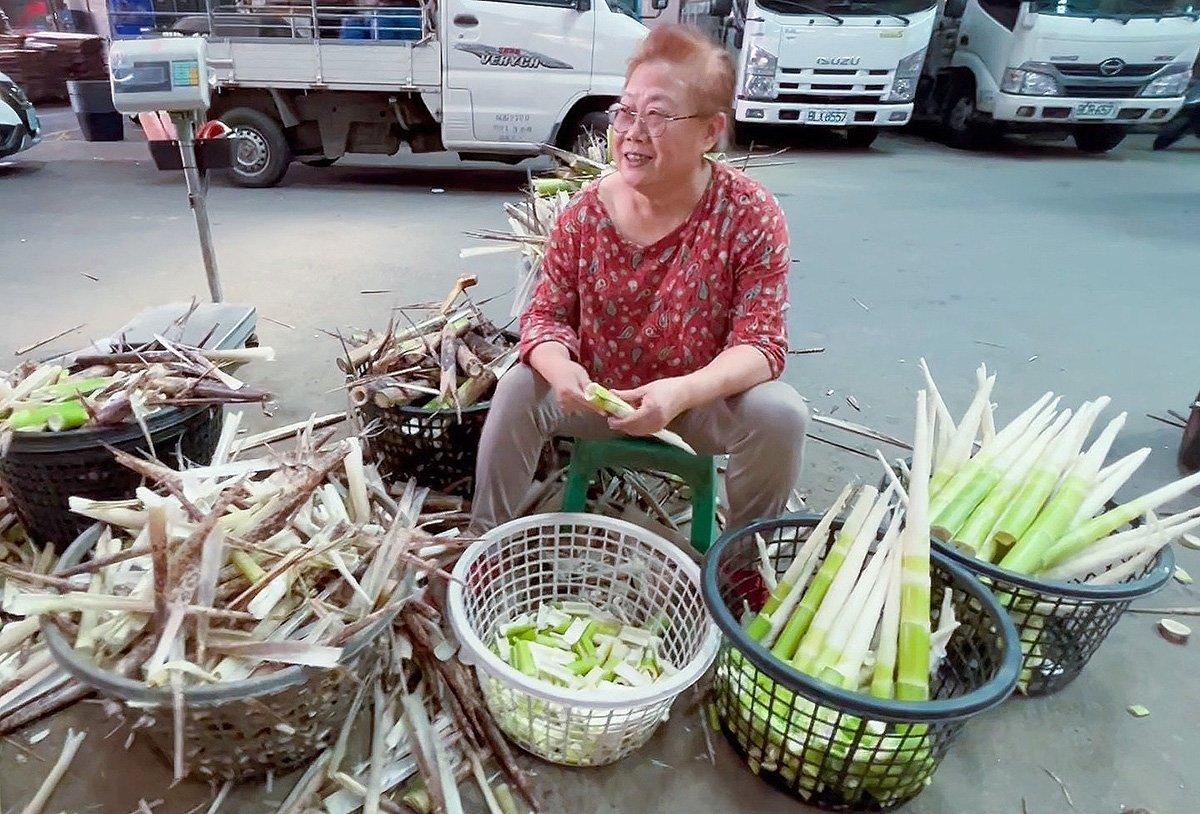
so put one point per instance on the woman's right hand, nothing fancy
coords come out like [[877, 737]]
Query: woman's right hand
[[568, 385], [566, 377]]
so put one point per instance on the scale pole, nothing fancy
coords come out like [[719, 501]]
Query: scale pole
[[185, 127]]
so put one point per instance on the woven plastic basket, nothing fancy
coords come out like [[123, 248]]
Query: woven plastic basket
[[241, 729], [1061, 625], [828, 747], [615, 566], [437, 449], [41, 471]]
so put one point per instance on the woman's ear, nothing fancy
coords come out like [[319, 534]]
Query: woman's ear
[[718, 135]]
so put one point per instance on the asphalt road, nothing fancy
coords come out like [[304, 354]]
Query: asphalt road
[[1060, 271]]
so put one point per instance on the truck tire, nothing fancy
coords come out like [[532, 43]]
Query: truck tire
[[590, 127], [861, 138], [1098, 138], [746, 134], [960, 130], [1172, 132], [263, 157]]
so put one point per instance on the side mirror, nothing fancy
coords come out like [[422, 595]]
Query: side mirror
[[659, 5], [583, 5], [721, 8]]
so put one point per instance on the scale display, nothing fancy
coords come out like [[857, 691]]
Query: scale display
[[168, 74]]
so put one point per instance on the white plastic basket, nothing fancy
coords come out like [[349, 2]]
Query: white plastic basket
[[616, 566]]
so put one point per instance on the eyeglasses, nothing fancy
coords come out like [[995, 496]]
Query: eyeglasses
[[623, 119]]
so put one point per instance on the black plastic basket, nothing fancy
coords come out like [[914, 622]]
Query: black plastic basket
[[437, 449], [42, 470], [1061, 624], [828, 747]]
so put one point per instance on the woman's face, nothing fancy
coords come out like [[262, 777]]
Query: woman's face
[[648, 159]]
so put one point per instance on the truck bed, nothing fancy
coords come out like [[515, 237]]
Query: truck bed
[[331, 65]]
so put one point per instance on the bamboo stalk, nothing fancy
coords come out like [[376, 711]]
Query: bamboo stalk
[[70, 747]]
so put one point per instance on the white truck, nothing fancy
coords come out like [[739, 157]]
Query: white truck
[[1091, 69], [486, 79], [825, 63]]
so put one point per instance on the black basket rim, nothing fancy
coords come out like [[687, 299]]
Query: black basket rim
[[991, 694], [408, 410], [166, 418], [1156, 578], [129, 689]]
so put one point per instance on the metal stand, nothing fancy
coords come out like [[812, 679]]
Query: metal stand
[[186, 124]]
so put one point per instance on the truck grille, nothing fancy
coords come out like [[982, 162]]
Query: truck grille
[[1073, 69], [1121, 90], [828, 99], [856, 85]]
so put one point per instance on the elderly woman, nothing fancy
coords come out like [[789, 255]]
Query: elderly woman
[[665, 281]]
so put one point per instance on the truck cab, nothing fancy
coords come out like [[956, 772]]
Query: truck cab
[[487, 79], [826, 63], [1091, 69]]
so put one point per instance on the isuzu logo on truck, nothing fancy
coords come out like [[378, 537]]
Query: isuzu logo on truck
[[838, 60], [511, 57]]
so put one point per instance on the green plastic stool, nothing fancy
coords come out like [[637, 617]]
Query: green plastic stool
[[698, 471]]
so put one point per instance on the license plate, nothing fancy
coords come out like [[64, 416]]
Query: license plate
[[1095, 110], [33, 120], [827, 117]]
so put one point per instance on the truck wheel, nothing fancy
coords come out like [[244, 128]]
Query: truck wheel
[[860, 138], [592, 128], [959, 128], [1172, 132], [263, 156], [1098, 138], [745, 134]]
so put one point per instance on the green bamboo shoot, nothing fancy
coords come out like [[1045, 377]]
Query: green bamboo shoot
[[762, 624], [789, 640], [912, 669], [836, 601], [1080, 537]]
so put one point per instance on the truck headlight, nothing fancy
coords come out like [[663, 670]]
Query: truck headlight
[[908, 71], [1031, 79], [1172, 81], [761, 67]]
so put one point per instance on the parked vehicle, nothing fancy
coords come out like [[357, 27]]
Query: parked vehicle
[[19, 125], [842, 64], [1091, 69], [486, 80]]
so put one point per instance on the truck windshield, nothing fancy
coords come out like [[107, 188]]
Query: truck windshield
[[628, 7], [848, 8], [1119, 9]]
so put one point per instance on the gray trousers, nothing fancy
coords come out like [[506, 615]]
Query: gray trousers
[[762, 430]]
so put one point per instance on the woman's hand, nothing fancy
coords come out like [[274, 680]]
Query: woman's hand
[[566, 377], [568, 380], [657, 404]]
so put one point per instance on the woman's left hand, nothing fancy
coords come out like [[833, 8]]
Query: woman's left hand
[[657, 404]]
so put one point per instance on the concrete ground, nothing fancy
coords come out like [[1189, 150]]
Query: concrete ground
[[1060, 271]]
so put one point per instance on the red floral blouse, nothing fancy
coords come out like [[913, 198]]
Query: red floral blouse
[[633, 314]]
